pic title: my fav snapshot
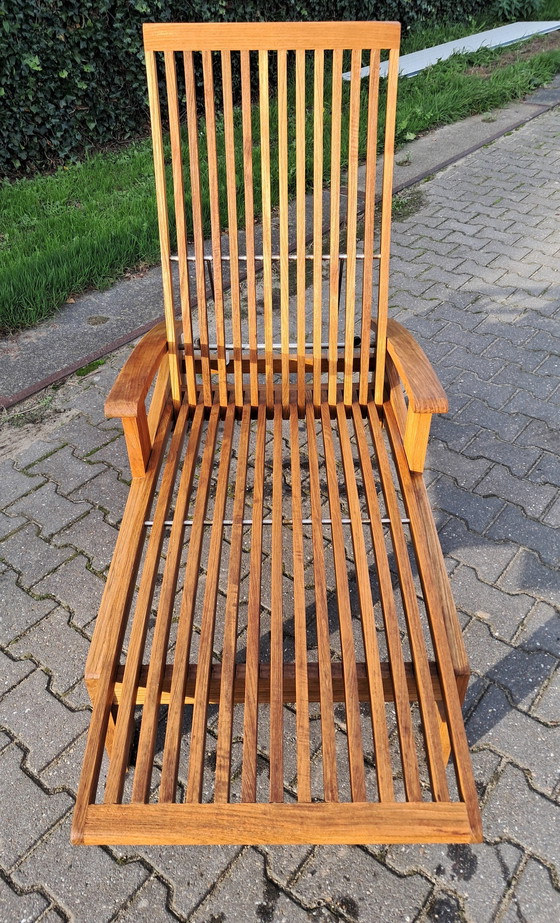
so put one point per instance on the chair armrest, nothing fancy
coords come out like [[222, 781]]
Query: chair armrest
[[126, 398], [423, 387], [409, 365]]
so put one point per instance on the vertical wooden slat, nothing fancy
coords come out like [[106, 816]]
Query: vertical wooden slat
[[180, 224], [250, 715], [249, 222], [231, 177], [335, 222], [198, 235], [225, 714], [328, 746], [376, 697], [355, 746], [266, 220], [318, 103], [386, 200], [276, 624], [300, 224], [213, 188], [137, 640], [208, 621], [351, 222], [300, 621], [158, 652], [163, 224], [283, 217], [369, 219], [390, 619], [172, 747]]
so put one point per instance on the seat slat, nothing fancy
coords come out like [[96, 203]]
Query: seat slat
[[376, 699], [386, 591], [225, 714], [283, 220], [300, 225], [351, 221], [428, 708], [251, 697], [300, 620], [318, 103], [355, 746], [266, 218], [328, 745], [172, 747], [125, 716], [334, 267], [276, 754], [249, 222]]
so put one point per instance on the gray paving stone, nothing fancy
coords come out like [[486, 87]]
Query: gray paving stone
[[348, 876], [18, 610], [518, 813], [66, 470], [503, 612], [23, 799], [75, 587], [534, 897], [552, 516], [541, 630], [478, 512], [31, 555], [518, 458], [114, 453], [16, 483], [9, 524], [539, 434], [12, 672], [93, 537], [489, 559], [107, 492], [503, 423], [39, 720], [500, 483], [49, 509], [478, 874], [512, 525], [58, 647], [84, 437], [80, 880], [548, 708], [525, 741], [528, 574], [33, 451], [245, 896], [149, 905], [466, 471], [25, 908], [282, 862]]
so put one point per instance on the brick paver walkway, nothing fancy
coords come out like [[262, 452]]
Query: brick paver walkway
[[475, 275]]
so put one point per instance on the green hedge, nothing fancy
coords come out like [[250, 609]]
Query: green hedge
[[72, 71]]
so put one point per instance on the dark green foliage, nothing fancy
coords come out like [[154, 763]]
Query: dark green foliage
[[72, 71]]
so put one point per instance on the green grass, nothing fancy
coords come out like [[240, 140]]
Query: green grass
[[85, 225]]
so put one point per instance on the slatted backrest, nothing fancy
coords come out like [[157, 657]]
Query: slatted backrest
[[276, 169]]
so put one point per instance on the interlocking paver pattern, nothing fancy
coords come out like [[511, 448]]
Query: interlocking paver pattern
[[475, 275]]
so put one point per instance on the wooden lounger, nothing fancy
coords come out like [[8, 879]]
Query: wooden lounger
[[277, 657]]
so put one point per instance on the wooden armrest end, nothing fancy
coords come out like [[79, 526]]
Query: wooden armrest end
[[424, 389], [137, 374]]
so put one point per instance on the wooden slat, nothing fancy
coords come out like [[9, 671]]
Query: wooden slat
[[208, 621], [111, 621], [283, 220], [300, 225], [156, 671], [125, 717], [434, 584], [318, 103], [334, 268], [276, 755], [428, 708], [352, 221], [213, 188], [180, 224], [369, 221], [266, 219], [163, 225], [270, 36], [377, 705], [225, 714], [386, 591], [251, 691], [328, 745], [249, 221], [386, 200], [142, 775], [355, 746], [231, 177], [300, 621], [198, 235]]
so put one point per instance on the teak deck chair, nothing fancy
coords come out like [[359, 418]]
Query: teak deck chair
[[277, 657]]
